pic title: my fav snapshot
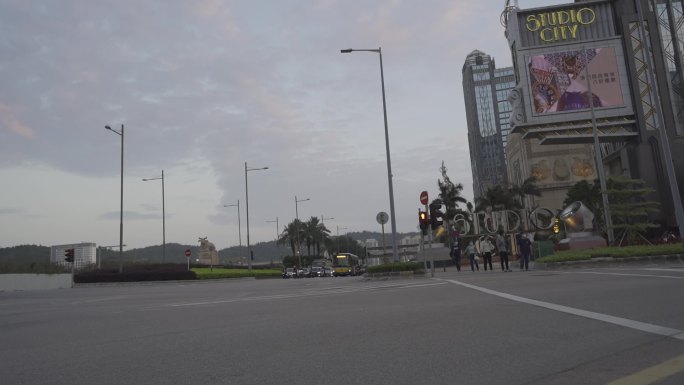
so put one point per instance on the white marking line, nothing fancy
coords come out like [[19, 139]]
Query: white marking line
[[641, 326], [624, 274], [307, 294]]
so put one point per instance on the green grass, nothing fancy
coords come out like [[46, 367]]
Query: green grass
[[218, 272], [613, 252]]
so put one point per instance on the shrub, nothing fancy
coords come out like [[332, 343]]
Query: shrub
[[137, 273], [613, 252], [217, 272]]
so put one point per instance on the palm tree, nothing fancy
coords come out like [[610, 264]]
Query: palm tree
[[289, 235], [527, 187]]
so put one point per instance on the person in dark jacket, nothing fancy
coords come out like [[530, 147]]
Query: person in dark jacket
[[525, 247]]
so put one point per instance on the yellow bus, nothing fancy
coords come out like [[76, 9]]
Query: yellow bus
[[345, 264]]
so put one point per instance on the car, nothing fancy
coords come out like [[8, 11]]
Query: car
[[328, 272], [317, 271], [289, 273]]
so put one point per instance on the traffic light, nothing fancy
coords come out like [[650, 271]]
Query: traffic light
[[436, 215], [423, 220], [556, 225], [69, 255]]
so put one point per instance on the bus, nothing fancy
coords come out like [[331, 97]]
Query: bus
[[344, 264]]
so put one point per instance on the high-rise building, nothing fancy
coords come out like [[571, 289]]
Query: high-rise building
[[485, 91]]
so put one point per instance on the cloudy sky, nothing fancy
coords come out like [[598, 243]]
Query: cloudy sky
[[204, 86]]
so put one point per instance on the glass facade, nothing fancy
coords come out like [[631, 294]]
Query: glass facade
[[486, 90], [671, 27]]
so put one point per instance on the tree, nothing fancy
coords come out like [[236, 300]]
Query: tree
[[527, 187], [289, 235], [315, 233], [497, 198], [590, 195], [629, 208], [450, 194]]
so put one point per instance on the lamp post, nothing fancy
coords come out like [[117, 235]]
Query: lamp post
[[163, 214], [239, 231], [324, 218], [299, 252], [277, 229], [395, 251], [338, 239], [121, 134], [249, 256]]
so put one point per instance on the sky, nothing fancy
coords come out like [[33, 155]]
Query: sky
[[203, 87]]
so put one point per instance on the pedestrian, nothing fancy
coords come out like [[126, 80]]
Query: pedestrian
[[502, 247], [525, 247], [486, 249], [456, 253], [472, 255]]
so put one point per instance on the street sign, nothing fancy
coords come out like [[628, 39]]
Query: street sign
[[382, 217], [424, 197], [188, 253]]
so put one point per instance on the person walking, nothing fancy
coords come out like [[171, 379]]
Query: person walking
[[502, 247], [470, 252], [456, 253], [486, 249], [525, 247]]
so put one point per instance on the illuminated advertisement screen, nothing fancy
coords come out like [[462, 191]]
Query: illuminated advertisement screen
[[558, 81]]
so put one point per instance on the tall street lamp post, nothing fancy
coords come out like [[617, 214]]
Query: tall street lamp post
[[324, 218], [249, 255], [121, 134], [239, 230], [299, 252], [163, 214], [395, 251], [277, 229]]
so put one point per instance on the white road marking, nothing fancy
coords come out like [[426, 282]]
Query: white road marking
[[624, 274], [641, 326], [322, 292]]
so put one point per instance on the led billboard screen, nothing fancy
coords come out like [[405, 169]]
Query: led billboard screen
[[558, 81]]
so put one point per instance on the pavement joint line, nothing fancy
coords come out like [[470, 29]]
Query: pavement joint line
[[623, 274], [305, 294], [624, 322]]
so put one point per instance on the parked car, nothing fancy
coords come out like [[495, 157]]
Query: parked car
[[317, 271], [289, 273]]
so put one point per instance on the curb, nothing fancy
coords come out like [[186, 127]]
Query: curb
[[611, 261]]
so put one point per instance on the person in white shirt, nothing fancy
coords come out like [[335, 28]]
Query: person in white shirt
[[486, 249]]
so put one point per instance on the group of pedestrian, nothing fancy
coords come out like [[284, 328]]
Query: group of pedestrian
[[485, 248]]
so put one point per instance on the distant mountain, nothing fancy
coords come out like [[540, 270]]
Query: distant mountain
[[175, 252]]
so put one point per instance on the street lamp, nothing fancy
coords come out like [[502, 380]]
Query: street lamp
[[324, 218], [338, 238], [249, 255], [277, 229], [121, 134], [299, 252], [395, 251], [163, 215], [239, 231]]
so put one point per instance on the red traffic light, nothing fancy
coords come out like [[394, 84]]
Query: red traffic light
[[69, 255]]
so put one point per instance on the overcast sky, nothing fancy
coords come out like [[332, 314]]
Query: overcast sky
[[202, 87]]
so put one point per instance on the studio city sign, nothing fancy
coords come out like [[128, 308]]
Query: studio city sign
[[556, 26], [508, 220]]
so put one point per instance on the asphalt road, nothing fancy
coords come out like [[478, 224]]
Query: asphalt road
[[547, 327]]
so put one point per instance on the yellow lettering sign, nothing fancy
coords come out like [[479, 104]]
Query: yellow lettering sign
[[559, 25]]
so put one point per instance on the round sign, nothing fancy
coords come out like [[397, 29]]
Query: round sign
[[382, 217], [188, 253], [424, 197]]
